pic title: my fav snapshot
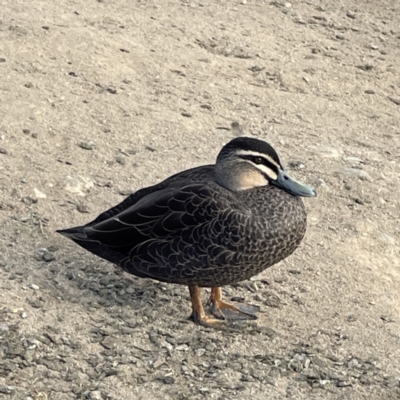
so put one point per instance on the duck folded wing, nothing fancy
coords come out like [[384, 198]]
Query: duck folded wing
[[161, 215]]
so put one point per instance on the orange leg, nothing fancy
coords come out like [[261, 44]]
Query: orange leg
[[198, 314], [217, 305]]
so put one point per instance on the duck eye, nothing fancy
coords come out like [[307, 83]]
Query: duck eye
[[258, 160]]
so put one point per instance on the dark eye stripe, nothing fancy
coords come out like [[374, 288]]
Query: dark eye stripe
[[265, 161]]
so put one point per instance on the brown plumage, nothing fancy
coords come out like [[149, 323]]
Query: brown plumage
[[206, 227]]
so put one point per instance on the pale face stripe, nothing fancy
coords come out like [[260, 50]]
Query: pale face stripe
[[267, 171], [257, 154]]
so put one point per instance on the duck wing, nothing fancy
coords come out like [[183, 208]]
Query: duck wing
[[197, 174], [173, 234]]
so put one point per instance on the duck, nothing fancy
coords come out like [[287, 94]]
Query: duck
[[206, 227]]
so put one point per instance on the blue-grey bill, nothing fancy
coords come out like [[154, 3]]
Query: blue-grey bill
[[290, 185]]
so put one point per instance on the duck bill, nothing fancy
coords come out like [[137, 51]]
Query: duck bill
[[292, 186]]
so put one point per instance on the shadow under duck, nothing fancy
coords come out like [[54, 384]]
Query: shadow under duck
[[208, 226]]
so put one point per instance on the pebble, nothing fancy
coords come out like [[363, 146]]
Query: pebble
[[95, 395], [394, 100], [7, 389], [39, 194], [168, 380], [120, 160], [48, 257], [182, 347], [3, 150], [4, 327], [78, 185], [89, 145], [23, 315], [29, 200], [34, 287], [200, 352], [369, 91], [82, 208], [351, 15]]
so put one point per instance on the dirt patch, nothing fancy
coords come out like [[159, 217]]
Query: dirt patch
[[100, 98]]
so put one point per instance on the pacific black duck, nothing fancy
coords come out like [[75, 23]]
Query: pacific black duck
[[208, 226]]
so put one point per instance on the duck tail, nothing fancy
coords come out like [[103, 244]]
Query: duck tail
[[76, 234]]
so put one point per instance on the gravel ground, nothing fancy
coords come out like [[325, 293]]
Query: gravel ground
[[101, 98]]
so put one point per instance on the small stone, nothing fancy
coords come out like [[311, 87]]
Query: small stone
[[112, 90], [82, 208], [366, 67], [126, 192], [4, 327], [394, 100], [182, 347], [343, 383], [28, 200], [48, 257], [34, 135], [120, 160], [369, 91], [294, 271], [89, 145], [3, 151], [39, 194], [34, 287], [351, 15], [272, 301], [186, 114], [24, 315], [351, 317], [353, 363], [29, 85], [200, 352], [340, 37], [95, 395], [26, 131], [168, 380], [7, 389], [158, 363]]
